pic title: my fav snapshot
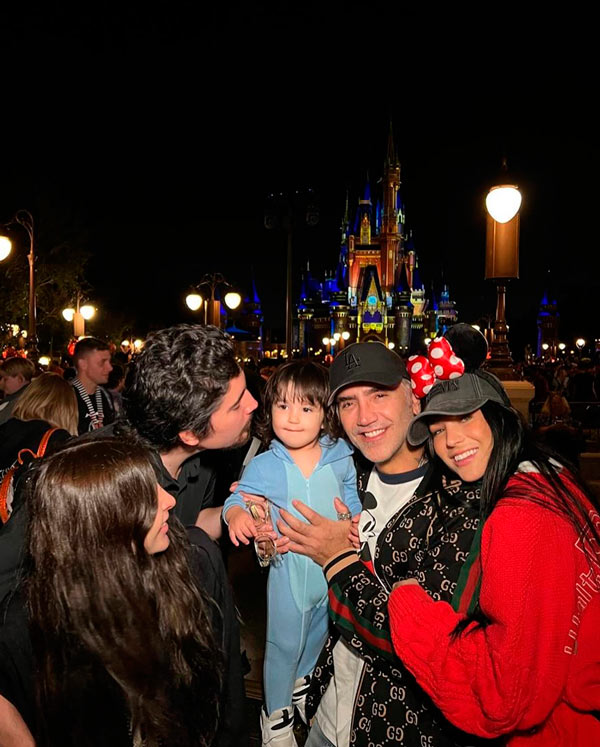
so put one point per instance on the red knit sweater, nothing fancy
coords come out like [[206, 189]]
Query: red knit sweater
[[533, 673]]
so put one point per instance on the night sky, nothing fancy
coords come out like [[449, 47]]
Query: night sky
[[159, 132]]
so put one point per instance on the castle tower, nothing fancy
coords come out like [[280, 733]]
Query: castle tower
[[389, 237], [447, 314], [375, 292], [547, 323]]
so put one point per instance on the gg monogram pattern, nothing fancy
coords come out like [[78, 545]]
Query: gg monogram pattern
[[428, 540]]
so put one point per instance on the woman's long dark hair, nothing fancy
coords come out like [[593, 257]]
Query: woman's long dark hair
[[513, 444], [118, 634]]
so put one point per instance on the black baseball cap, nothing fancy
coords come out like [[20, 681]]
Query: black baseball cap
[[365, 363], [457, 397]]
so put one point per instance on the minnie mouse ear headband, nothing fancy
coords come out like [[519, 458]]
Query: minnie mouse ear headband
[[450, 390]]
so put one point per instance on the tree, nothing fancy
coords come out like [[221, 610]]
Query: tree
[[61, 255]]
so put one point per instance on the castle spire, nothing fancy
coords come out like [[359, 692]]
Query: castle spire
[[391, 160], [391, 185], [345, 227]]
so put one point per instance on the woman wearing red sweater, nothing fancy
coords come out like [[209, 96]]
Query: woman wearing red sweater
[[517, 653]]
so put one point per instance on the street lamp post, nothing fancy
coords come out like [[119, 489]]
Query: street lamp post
[[79, 315], [281, 212], [25, 219], [502, 264], [212, 305]]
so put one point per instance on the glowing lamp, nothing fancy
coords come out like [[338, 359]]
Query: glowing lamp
[[5, 247], [428, 341], [336, 336], [561, 346], [68, 314], [545, 346], [44, 360], [87, 312], [345, 335], [193, 301], [391, 345], [503, 202], [232, 300], [325, 341], [138, 344], [580, 342]]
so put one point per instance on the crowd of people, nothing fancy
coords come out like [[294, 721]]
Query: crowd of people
[[434, 568]]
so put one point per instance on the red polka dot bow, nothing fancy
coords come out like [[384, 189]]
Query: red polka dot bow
[[440, 365]]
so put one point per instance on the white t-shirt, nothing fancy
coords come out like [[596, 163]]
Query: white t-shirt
[[384, 496]]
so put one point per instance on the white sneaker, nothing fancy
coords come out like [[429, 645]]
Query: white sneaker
[[301, 687], [278, 728]]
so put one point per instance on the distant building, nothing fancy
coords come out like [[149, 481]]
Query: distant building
[[547, 323], [245, 325], [376, 292]]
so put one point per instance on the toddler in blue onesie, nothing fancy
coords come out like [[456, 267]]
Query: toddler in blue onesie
[[302, 463]]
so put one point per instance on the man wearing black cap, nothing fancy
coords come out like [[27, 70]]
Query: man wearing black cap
[[361, 693]]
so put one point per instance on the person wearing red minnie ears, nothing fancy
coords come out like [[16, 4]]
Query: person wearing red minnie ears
[[516, 653]]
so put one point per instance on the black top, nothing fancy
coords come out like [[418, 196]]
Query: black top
[[194, 488], [25, 434], [16, 657]]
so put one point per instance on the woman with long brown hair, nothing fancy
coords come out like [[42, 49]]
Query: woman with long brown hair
[[123, 648]]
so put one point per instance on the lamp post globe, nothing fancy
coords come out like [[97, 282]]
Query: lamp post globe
[[5, 247], [193, 301], [232, 300], [503, 202]]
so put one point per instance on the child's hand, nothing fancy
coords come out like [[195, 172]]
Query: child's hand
[[353, 535], [241, 526]]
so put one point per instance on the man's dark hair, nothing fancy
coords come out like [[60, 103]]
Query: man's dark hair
[[88, 345], [177, 383]]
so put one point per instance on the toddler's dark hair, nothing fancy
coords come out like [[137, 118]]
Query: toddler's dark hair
[[308, 381]]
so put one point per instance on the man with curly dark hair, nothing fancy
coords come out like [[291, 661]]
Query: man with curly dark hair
[[184, 394]]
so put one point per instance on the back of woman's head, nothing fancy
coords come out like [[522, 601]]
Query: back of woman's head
[[92, 499], [49, 397]]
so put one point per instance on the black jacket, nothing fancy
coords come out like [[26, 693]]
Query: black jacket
[[427, 539]]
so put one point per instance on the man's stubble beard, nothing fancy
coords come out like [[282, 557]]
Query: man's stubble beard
[[244, 436]]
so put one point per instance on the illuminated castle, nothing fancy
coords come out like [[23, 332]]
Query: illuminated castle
[[376, 292]]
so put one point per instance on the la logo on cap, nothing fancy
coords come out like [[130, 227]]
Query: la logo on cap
[[448, 386], [351, 361]]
